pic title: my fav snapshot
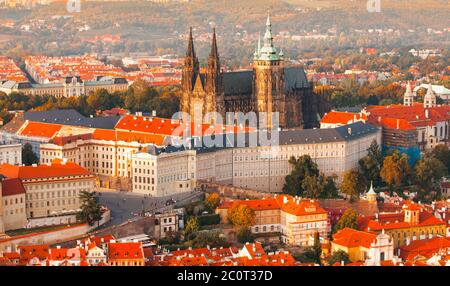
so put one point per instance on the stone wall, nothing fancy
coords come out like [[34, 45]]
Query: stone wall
[[233, 192], [52, 236]]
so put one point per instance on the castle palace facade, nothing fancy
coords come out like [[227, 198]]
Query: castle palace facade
[[270, 87]]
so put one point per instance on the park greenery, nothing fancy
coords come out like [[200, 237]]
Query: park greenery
[[391, 170], [306, 180], [139, 97]]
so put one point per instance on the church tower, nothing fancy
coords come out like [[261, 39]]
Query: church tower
[[191, 71], [430, 98], [268, 78], [214, 81], [408, 97]]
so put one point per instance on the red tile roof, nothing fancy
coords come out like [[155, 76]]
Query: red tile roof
[[125, 250], [56, 169], [424, 247], [127, 136], [338, 117], [38, 129], [163, 126], [353, 238], [302, 207], [396, 220], [410, 116], [11, 187]]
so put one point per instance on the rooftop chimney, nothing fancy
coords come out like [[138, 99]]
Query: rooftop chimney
[[349, 130]]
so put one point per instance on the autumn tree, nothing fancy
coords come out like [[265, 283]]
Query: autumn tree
[[192, 226], [241, 215], [348, 219], [353, 184], [396, 169], [213, 201]]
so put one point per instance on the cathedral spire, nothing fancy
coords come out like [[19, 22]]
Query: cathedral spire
[[268, 52], [214, 52], [190, 50]]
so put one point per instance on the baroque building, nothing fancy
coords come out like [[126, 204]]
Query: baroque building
[[270, 87]]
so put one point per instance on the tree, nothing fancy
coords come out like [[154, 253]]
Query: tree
[[192, 226], [241, 215], [204, 239], [244, 235], [348, 219], [28, 156], [428, 170], [442, 153], [329, 188], [339, 257], [213, 201], [90, 209], [371, 164], [396, 169], [302, 167], [317, 248], [353, 184], [312, 187]]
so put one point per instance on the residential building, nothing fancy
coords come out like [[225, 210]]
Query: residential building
[[168, 222], [163, 172], [38, 192], [251, 254], [70, 86], [11, 154], [371, 248], [94, 251], [412, 223], [295, 219], [125, 254]]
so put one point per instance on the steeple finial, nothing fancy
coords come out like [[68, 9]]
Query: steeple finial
[[190, 50], [214, 51], [268, 23]]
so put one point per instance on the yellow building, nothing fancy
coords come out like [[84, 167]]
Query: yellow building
[[412, 223], [370, 248], [296, 219]]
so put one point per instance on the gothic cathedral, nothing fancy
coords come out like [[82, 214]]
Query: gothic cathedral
[[269, 87]]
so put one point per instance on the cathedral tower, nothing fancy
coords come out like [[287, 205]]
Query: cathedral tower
[[214, 81], [268, 78], [191, 71]]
